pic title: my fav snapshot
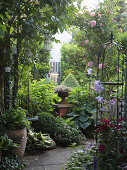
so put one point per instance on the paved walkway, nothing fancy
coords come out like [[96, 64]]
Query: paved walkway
[[52, 159]]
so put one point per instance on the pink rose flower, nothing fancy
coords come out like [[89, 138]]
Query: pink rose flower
[[101, 24], [86, 41], [117, 70], [92, 14], [97, 12], [99, 15], [101, 65], [90, 64], [93, 23], [87, 10], [92, 88]]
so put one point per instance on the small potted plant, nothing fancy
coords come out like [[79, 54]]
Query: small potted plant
[[14, 124]]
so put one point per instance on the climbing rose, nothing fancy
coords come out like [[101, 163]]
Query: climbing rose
[[101, 65], [92, 14], [87, 10], [89, 71], [92, 88], [99, 15], [101, 24], [90, 64], [93, 23], [86, 41]]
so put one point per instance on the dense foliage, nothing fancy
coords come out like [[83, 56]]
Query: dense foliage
[[37, 142], [14, 119], [66, 133], [38, 97], [91, 30], [83, 107], [12, 162], [46, 123]]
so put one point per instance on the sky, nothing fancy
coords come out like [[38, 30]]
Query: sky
[[66, 37]]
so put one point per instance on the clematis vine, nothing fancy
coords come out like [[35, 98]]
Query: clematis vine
[[89, 71], [100, 99], [98, 86]]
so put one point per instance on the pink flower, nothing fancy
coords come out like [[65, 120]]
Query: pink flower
[[99, 20], [121, 30], [101, 24], [86, 41], [97, 12], [99, 15], [101, 65], [92, 14], [90, 64], [117, 70], [87, 10], [92, 88], [93, 23]]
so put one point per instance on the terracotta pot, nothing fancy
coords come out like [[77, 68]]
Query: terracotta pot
[[20, 137]]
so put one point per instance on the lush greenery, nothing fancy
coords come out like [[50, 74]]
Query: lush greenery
[[70, 81], [12, 162], [39, 97], [6, 143], [14, 119], [46, 123], [83, 107], [66, 133], [108, 153], [91, 31], [37, 142]]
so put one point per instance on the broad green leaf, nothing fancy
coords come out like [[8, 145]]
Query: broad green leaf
[[83, 118]]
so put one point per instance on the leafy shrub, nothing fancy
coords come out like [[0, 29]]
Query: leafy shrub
[[6, 143], [14, 119], [41, 96], [83, 106], [37, 142], [66, 134], [70, 81], [11, 162], [46, 123]]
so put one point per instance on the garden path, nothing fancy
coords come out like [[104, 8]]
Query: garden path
[[52, 159]]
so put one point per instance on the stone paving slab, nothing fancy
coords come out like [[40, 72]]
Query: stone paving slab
[[50, 160]]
